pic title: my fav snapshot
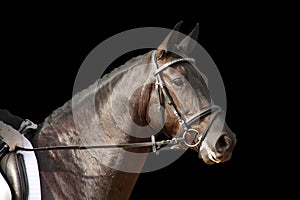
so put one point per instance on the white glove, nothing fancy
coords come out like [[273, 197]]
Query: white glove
[[27, 125], [10, 136]]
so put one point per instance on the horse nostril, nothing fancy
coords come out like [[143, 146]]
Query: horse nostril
[[223, 144]]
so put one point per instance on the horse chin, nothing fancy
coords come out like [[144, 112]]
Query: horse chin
[[208, 157]]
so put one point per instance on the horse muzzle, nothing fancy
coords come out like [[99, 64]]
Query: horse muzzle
[[218, 150]]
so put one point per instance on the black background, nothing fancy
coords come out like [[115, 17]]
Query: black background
[[42, 49]]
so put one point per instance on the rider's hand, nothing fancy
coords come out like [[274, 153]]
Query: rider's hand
[[10, 136]]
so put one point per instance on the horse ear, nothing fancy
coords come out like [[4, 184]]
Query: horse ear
[[188, 43], [169, 42]]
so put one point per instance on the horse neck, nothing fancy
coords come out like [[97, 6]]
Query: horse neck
[[96, 110], [104, 108], [90, 119]]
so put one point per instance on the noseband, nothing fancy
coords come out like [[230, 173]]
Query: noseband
[[184, 123]]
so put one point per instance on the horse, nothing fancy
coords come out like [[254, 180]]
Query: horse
[[159, 94]]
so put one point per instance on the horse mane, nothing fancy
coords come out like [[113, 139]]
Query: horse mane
[[65, 110]]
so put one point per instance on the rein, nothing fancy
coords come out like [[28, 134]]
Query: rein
[[175, 143], [155, 145]]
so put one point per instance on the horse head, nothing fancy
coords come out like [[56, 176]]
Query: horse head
[[189, 110]]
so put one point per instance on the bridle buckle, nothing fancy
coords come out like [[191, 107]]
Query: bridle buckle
[[185, 139]]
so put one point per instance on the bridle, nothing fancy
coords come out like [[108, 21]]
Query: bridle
[[179, 142], [184, 123]]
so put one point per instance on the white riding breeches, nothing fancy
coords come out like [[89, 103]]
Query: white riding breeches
[[5, 193]]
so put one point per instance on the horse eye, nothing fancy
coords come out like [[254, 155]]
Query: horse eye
[[178, 82]]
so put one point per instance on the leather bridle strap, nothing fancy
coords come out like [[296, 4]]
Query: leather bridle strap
[[203, 113], [184, 124], [166, 65], [213, 111], [161, 84]]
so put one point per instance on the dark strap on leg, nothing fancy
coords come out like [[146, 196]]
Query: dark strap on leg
[[24, 188], [14, 171], [3, 149]]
